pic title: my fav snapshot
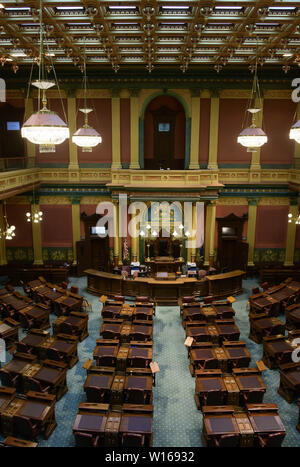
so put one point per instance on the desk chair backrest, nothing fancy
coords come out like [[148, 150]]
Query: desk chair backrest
[[96, 395], [255, 290], [139, 362], [9, 380], [265, 286], [119, 298], [136, 396], [25, 427], [35, 385], [213, 398], [106, 360], [227, 441], [272, 440], [74, 289], [133, 439], [54, 354], [67, 328], [142, 298], [208, 299], [86, 440]]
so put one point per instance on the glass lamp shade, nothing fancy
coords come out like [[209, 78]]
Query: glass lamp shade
[[295, 132], [45, 128], [86, 138], [252, 138]]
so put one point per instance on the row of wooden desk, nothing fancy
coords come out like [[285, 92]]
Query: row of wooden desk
[[226, 390], [27, 416], [119, 410]]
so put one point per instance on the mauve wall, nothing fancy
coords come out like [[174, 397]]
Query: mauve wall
[[16, 215], [61, 154], [100, 119], [231, 118], [204, 131], [277, 120], [271, 226], [125, 130], [56, 228], [223, 211], [173, 104]]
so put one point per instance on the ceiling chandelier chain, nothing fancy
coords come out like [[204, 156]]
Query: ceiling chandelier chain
[[253, 137], [86, 137], [7, 232], [44, 128]]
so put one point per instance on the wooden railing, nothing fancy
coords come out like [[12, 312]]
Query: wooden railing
[[12, 163]]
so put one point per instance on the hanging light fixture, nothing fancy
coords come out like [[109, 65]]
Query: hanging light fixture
[[8, 231], [253, 137], [44, 127], [86, 137], [295, 219]]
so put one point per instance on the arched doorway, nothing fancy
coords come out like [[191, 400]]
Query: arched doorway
[[164, 134]]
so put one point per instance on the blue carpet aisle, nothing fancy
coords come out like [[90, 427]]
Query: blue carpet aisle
[[177, 422]]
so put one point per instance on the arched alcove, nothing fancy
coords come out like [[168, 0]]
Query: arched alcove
[[164, 127]]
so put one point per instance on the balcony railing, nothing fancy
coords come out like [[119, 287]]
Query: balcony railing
[[12, 163]]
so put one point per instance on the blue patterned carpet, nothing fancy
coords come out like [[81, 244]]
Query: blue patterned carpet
[[177, 422]]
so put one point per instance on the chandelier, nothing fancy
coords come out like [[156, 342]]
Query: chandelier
[[44, 127], [253, 137], [294, 219], [86, 137], [8, 231]]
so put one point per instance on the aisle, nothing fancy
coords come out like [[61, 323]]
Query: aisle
[[177, 422]]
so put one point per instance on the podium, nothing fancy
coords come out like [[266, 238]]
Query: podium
[[164, 264]]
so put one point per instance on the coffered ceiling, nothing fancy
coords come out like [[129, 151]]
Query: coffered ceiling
[[182, 35]]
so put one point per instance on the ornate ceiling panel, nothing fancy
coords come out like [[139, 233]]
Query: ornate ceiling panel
[[153, 34]]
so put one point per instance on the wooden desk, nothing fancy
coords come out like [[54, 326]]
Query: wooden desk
[[210, 388], [11, 441], [250, 384], [164, 265], [76, 324], [203, 358], [64, 346], [49, 374], [9, 332], [218, 422], [292, 314], [38, 407], [277, 350], [32, 342], [66, 304], [98, 388], [265, 421], [11, 306], [289, 387], [92, 423], [139, 357], [220, 286], [144, 383], [237, 355], [38, 315], [139, 424], [105, 355], [263, 303], [261, 327]]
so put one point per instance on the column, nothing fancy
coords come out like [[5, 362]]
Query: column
[[252, 210], [116, 234], [210, 223], [3, 260], [30, 146], [213, 131], [36, 235], [297, 145], [194, 159], [116, 129], [72, 112], [291, 235], [75, 224], [194, 219], [134, 129], [255, 158]]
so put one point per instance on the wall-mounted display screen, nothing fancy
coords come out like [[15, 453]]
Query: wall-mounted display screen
[[13, 126], [228, 231], [164, 127], [98, 230]]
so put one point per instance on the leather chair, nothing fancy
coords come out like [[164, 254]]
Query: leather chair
[[64, 285], [135, 396], [23, 426], [35, 385], [270, 441], [54, 354], [133, 439], [208, 299], [26, 323], [253, 396], [213, 398], [265, 286], [74, 289], [139, 362], [86, 440], [94, 394], [255, 290], [106, 360], [67, 328], [8, 380], [142, 298], [9, 288], [227, 441], [188, 299], [119, 298], [24, 348], [138, 336]]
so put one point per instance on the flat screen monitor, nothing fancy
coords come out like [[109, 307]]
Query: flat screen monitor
[[228, 232], [13, 126], [95, 230], [164, 127]]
